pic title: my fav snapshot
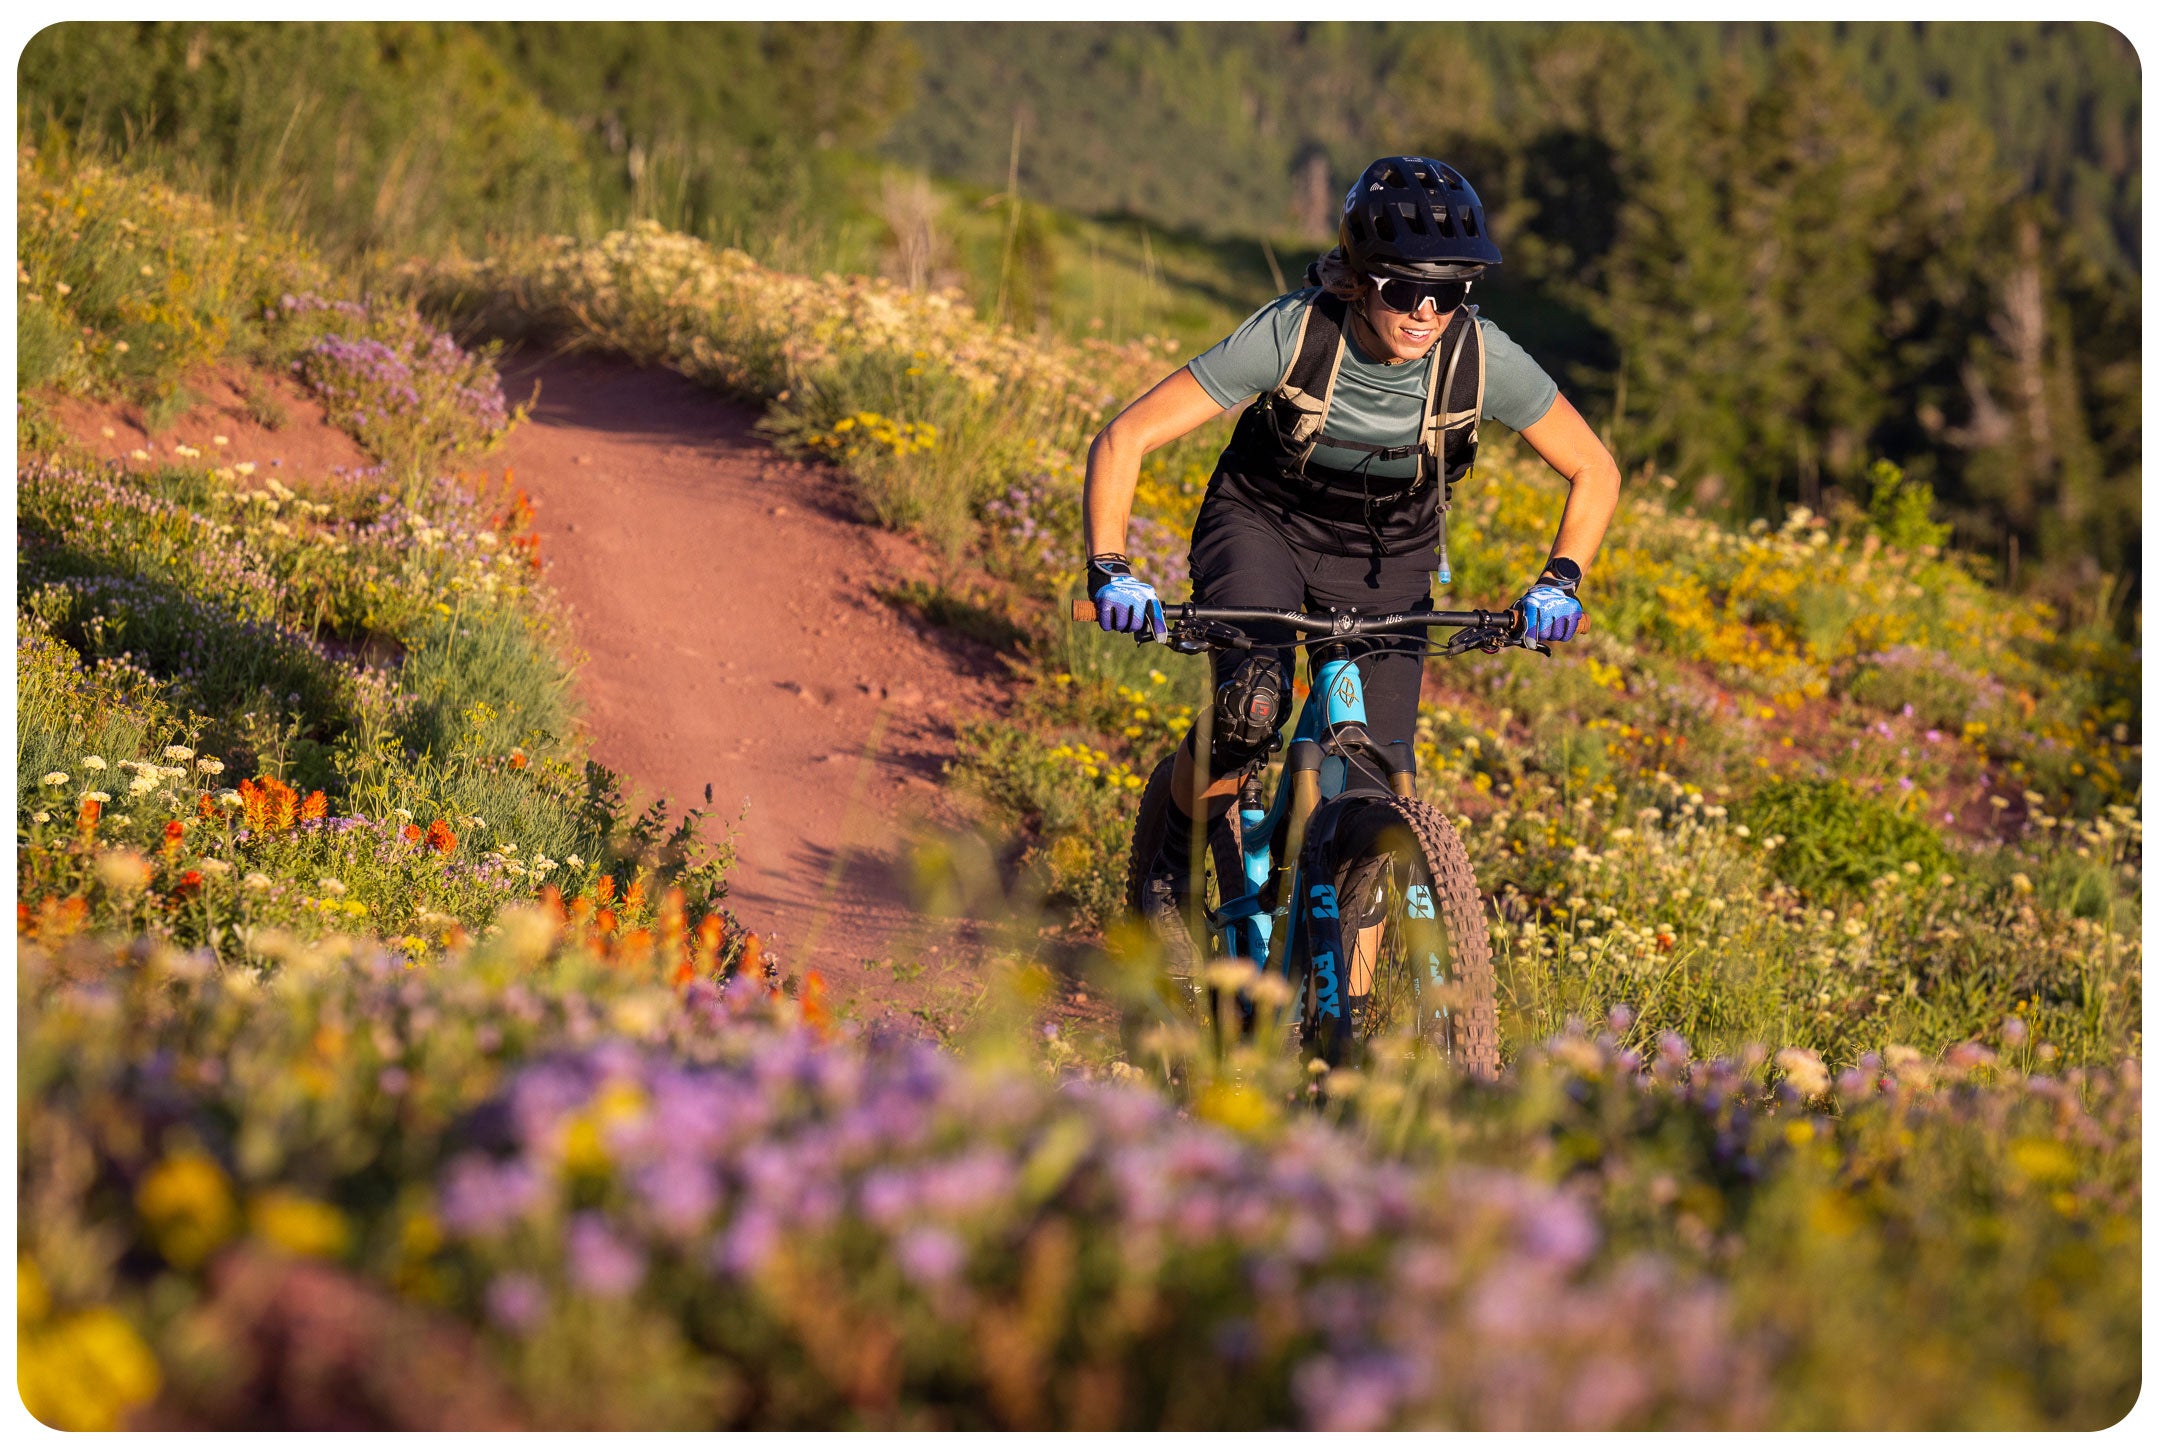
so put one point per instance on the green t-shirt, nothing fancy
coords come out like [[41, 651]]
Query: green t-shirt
[[1375, 403]]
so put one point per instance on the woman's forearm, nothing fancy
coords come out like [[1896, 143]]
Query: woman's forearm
[[1113, 473], [1567, 443], [1593, 496]]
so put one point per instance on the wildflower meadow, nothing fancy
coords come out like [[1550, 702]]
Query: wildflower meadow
[[380, 1066]]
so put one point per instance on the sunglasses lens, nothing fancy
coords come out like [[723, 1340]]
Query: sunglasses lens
[[1410, 296]]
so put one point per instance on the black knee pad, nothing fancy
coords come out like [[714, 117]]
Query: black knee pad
[[1248, 713]]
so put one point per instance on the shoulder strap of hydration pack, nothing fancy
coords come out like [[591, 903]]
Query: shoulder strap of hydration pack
[[1307, 388], [1454, 398], [1454, 402]]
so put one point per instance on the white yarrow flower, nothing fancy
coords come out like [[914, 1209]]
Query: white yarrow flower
[[93, 763], [332, 886], [99, 796], [179, 753], [55, 778]]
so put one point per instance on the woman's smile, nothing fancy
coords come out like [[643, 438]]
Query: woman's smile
[[1401, 337]]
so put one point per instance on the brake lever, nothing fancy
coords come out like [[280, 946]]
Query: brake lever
[[1193, 637], [1467, 639], [1489, 639], [1492, 639]]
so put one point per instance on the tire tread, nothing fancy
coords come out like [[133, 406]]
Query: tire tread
[[1475, 1038]]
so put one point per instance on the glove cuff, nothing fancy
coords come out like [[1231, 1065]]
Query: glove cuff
[[1104, 568]]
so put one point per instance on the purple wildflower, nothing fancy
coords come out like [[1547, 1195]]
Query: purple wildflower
[[1558, 1229], [483, 1198], [746, 1244], [1363, 1393], [602, 1263], [516, 1301], [681, 1193], [930, 1256]]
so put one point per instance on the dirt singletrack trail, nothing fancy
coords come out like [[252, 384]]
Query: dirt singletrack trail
[[725, 598]]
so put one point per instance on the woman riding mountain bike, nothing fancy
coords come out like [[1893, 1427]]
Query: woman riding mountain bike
[[1334, 490]]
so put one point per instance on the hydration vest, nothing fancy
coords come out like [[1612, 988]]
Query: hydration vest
[[1281, 429]]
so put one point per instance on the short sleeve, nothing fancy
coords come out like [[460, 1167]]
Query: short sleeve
[[1253, 357], [1518, 392]]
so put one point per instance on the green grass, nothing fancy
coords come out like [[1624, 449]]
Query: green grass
[[389, 658]]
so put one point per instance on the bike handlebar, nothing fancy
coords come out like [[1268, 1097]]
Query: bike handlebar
[[1324, 625]]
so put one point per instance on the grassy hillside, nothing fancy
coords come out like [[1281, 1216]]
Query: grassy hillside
[[256, 700], [407, 1084]]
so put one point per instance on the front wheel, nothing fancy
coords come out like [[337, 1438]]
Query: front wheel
[[1390, 913]]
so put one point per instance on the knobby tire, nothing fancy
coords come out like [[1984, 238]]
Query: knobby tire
[[1353, 851]]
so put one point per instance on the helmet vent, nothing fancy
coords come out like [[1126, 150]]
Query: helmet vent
[[1384, 226], [1392, 177], [1469, 220], [1415, 216]]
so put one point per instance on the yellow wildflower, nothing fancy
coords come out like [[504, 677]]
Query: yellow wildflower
[[299, 1225], [188, 1206], [85, 1372], [31, 1299]]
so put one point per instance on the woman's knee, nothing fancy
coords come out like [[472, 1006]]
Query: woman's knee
[[1248, 712]]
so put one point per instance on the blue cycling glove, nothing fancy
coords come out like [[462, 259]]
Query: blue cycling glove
[[1550, 609], [1124, 603]]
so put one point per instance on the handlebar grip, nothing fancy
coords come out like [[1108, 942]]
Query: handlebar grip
[[1084, 610]]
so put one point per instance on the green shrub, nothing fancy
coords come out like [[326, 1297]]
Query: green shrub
[[66, 710], [1839, 839], [1939, 691], [1079, 805], [1902, 510], [45, 354], [142, 284]]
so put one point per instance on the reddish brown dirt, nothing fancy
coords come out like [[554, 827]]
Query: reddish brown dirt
[[303, 448], [726, 601]]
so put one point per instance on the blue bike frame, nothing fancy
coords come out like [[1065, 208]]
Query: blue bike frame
[[1249, 931]]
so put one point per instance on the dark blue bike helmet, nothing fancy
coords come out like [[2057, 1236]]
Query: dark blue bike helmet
[[1413, 217]]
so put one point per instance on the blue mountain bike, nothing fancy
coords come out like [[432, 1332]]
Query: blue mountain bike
[[1343, 883]]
